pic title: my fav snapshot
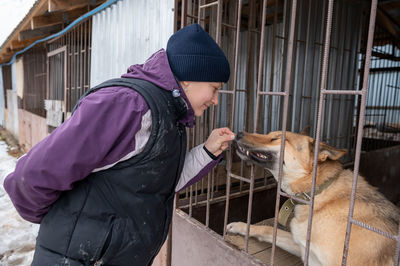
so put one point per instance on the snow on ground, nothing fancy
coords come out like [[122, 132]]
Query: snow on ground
[[17, 241]]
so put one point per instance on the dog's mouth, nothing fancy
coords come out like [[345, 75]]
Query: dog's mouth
[[253, 155]]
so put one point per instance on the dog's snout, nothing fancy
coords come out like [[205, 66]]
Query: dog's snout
[[239, 135]]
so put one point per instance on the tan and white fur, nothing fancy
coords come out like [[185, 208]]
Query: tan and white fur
[[331, 207]]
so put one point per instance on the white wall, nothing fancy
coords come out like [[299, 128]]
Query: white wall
[[127, 33]]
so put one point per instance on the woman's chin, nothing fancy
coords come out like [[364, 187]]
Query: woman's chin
[[199, 112]]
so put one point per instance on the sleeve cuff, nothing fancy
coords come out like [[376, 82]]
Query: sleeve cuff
[[212, 156]]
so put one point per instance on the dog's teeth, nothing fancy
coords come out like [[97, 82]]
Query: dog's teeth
[[260, 155]]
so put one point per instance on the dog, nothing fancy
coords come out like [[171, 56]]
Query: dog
[[331, 202]]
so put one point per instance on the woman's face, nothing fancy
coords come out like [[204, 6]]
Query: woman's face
[[201, 94]]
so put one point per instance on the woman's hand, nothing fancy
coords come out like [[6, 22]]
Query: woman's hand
[[219, 140]]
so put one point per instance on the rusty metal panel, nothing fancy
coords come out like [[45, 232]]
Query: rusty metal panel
[[196, 245], [127, 33]]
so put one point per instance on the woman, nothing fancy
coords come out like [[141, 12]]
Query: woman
[[102, 184]]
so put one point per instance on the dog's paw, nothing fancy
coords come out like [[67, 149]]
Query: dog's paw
[[236, 228]]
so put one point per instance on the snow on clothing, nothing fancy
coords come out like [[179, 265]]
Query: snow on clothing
[[97, 137]]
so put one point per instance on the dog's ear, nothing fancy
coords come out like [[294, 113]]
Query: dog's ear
[[328, 152], [306, 131]]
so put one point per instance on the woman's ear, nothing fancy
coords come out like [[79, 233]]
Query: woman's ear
[[184, 84]]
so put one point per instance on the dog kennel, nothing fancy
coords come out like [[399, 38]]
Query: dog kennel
[[332, 66]]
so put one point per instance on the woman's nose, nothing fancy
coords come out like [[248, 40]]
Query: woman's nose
[[214, 100]]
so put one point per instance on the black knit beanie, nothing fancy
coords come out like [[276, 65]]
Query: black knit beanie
[[194, 56]]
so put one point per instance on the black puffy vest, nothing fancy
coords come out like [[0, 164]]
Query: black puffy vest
[[121, 216]]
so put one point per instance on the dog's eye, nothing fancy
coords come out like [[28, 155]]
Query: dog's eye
[[273, 139]]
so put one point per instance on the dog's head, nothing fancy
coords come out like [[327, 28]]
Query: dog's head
[[264, 150]]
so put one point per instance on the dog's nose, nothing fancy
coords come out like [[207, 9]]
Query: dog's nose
[[239, 135]]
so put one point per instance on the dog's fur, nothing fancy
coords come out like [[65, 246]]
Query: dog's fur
[[331, 207]]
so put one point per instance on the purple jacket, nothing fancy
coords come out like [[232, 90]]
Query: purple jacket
[[96, 137]]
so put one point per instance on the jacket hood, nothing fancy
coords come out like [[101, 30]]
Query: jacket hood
[[157, 70]]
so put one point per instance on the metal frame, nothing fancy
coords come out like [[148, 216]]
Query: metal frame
[[327, 88], [78, 58], [64, 74]]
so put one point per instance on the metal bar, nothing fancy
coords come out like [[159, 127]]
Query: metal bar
[[232, 195], [225, 91], [219, 21], [360, 126], [342, 92], [56, 51], [306, 202], [199, 13], [239, 14], [350, 100], [89, 50], [317, 35], [208, 200], [240, 178], [80, 69], [241, 174], [320, 115], [194, 17], [85, 66], [208, 5], [272, 93], [354, 75], [260, 63], [183, 14], [304, 72], [249, 93], [284, 123], [341, 47], [47, 96], [64, 79], [273, 55], [249, 211], [195, 193], [229, 174], [229, 26], [190, 200], [213, 183], [373, 229], [386, 77], [228, 191], [297, 44]]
